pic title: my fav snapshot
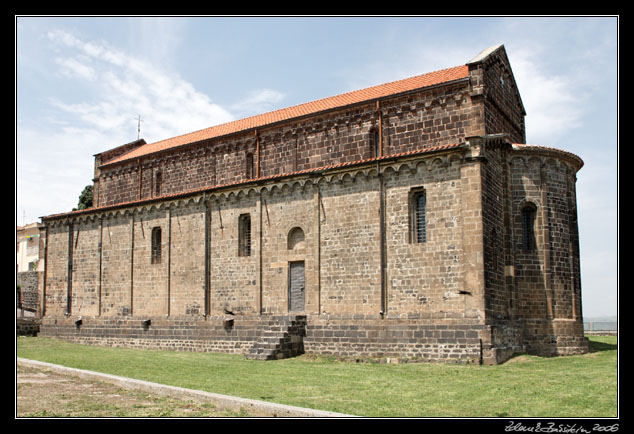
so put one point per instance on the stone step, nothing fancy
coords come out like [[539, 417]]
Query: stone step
[[278, 337]]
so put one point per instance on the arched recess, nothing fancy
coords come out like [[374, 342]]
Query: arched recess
[[295, 239]]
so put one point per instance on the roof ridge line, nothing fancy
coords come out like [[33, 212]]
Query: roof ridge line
[[310, 102], [289, 110]]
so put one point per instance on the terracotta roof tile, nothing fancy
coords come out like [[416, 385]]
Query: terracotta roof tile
[[342, 100]]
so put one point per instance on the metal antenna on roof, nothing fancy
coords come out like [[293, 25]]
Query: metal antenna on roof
[[138, 127]]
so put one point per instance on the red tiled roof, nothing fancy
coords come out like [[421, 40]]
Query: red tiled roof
[[342, 100]]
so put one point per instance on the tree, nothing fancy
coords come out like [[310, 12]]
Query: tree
[[85, 198]]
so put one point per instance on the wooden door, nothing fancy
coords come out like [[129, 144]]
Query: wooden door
[[296, 287]]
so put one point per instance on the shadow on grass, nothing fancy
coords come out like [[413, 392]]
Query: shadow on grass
[[597, 346]]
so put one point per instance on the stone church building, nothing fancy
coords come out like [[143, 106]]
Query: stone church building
[[407, 220]]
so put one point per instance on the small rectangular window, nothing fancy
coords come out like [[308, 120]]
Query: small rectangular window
[[244, 235]]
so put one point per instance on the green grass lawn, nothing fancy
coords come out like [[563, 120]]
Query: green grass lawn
[[525, 386]]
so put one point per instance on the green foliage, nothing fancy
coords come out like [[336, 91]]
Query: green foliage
[[85, 198]]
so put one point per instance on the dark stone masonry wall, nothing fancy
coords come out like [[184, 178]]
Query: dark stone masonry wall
[[436, 341], [178, 269], [164, 334], [27, 293], [27, 326], [368, 339]]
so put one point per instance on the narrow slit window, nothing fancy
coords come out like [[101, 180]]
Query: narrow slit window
[[528, 227], [375, 142], [156, 245], [157, 184], [418, 217], [244, 235], [250, 171]]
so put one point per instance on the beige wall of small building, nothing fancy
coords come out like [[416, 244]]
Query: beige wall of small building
[[28, 248]]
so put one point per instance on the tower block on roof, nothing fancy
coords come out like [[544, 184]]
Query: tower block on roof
[[405, 220]]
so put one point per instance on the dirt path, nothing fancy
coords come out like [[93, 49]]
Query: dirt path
[[45, 393]]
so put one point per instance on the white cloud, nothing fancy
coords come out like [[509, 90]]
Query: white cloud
[[158, 39], [127, 86], [258, 101], [54, 160], [74, 68], [52, 167], [553, 105], [553, 101], [54, 155]]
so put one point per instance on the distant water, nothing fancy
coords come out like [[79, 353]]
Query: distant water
[[604, 323]]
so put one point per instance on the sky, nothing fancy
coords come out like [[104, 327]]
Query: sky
[[81, 84]]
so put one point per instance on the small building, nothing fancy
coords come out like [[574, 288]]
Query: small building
[[29, 270], [27, 247], [405, 220]]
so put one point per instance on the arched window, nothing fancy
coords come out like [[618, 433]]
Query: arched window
[[529, 212], [418, 216], [156, 245]]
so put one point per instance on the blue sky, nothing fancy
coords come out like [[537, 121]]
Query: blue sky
[[82, 81]]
